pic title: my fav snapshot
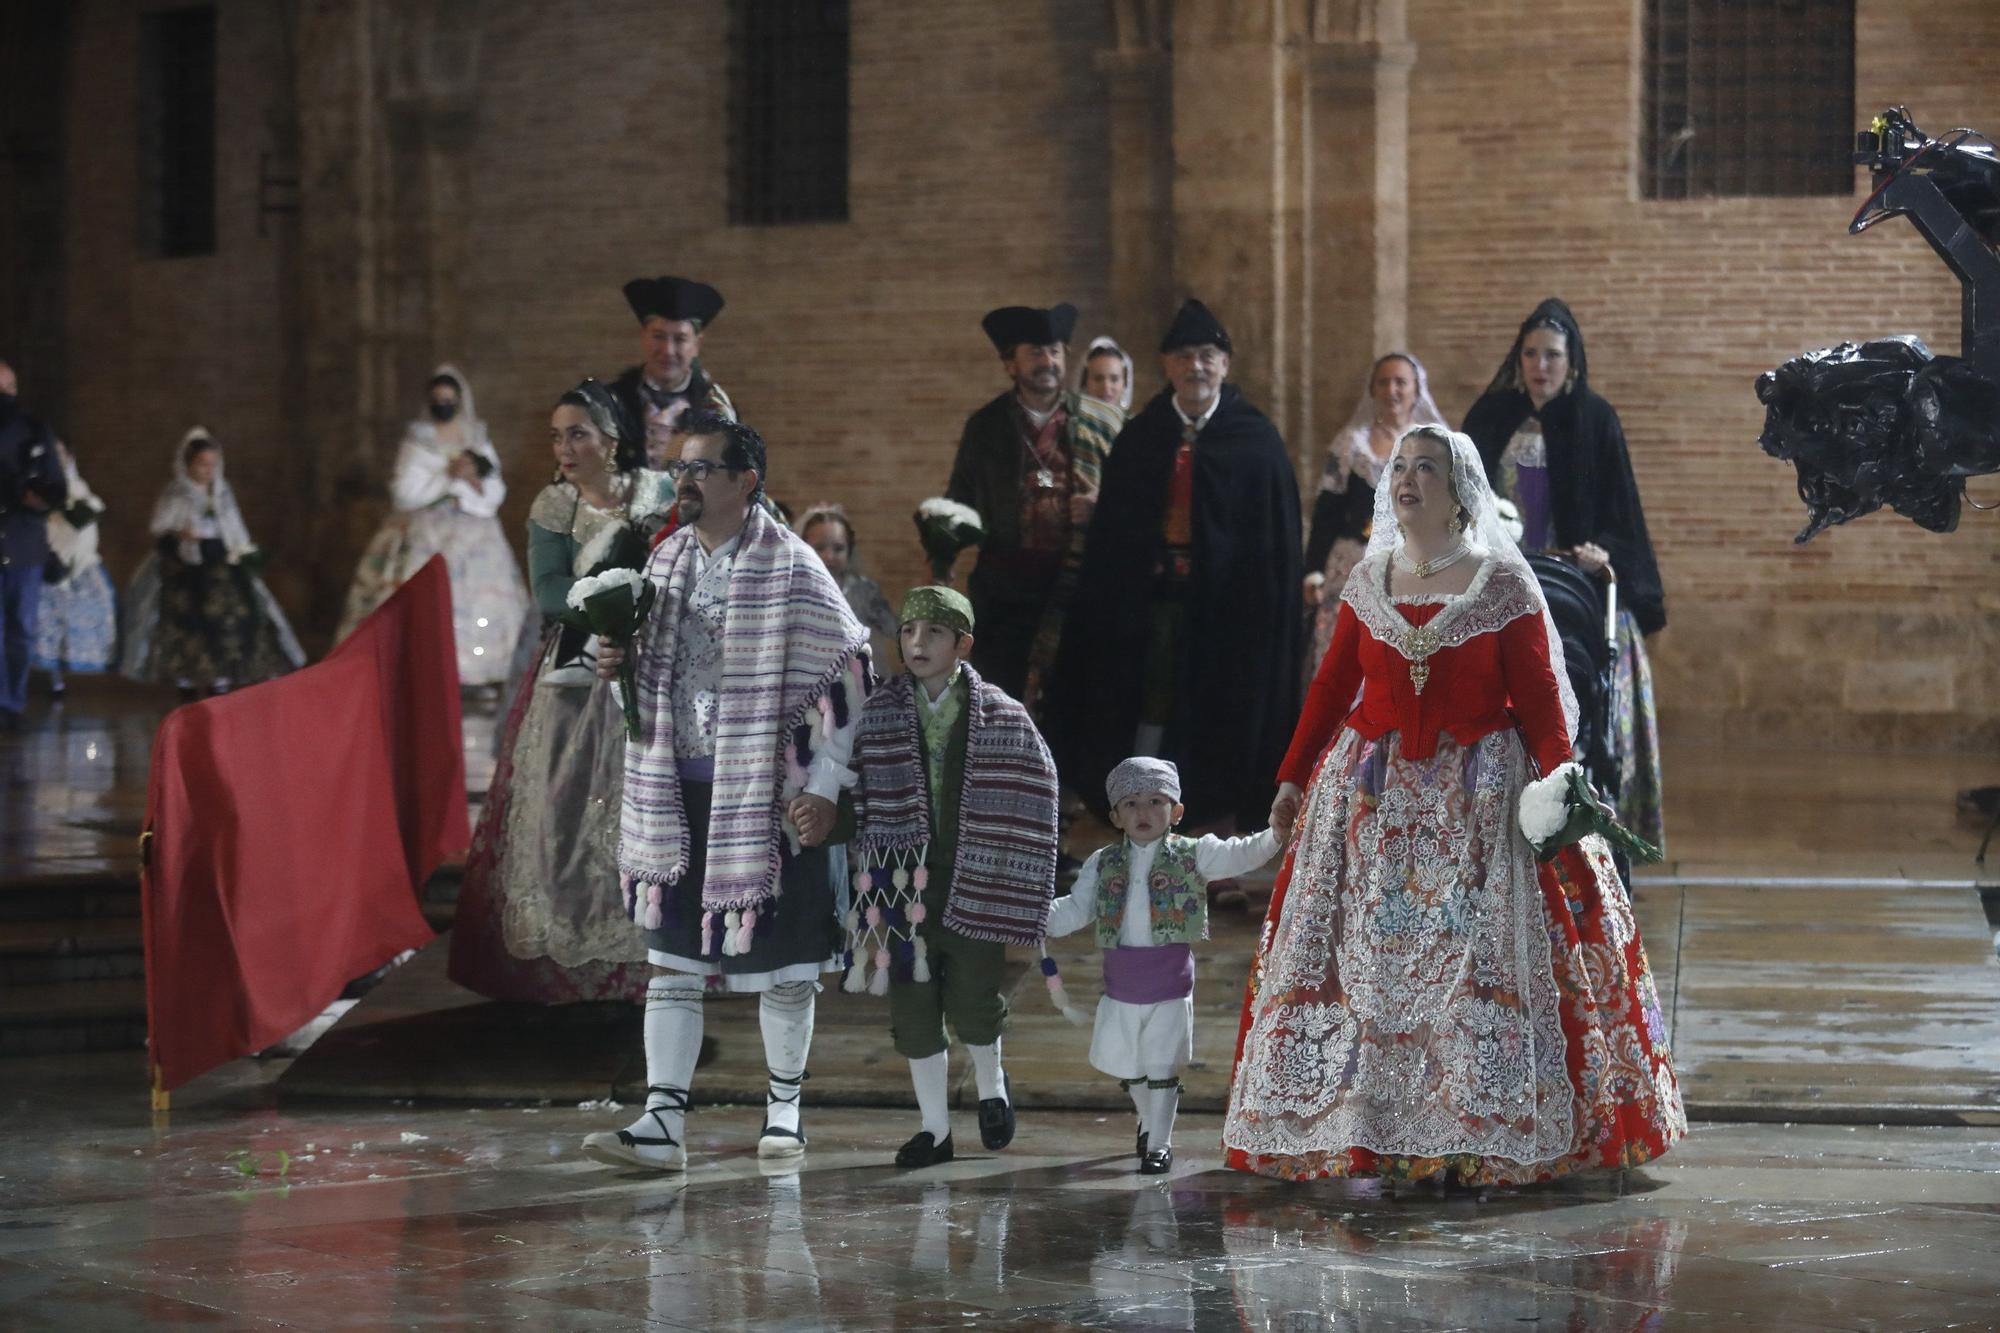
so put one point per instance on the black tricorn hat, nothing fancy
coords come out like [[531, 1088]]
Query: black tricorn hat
[[673, 298], [1012, 325], [1195, 325]]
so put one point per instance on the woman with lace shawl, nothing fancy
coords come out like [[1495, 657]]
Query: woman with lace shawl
[[1396, 397], [446, 490], [1427, 1000], [540, 916], [1557, 449], [198, 616]]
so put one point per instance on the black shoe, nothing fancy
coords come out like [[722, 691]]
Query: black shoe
[[923, 1150], [1158, 1162], [1139, 1146], [996, 1117]]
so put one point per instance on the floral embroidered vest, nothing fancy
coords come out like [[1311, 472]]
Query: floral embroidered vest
[[1177, 893]]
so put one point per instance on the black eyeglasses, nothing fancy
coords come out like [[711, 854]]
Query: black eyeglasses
[[700, 469]]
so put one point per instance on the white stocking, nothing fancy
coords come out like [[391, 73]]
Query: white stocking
[[986, 1070], [673, 1042], [928, 1077], [786, 1015]]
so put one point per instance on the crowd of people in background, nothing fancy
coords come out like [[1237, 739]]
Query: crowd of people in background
[[671, 812]]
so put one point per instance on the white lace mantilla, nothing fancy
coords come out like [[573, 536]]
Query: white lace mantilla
[[1408, 1003]]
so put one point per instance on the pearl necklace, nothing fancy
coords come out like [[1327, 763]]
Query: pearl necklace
[[1424, 569]]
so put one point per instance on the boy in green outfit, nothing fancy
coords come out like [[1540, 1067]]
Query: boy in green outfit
[[955, 805]]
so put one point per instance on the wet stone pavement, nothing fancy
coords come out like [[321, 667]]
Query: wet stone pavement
[[231, 1213]]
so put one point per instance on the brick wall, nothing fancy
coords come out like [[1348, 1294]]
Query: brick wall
[[1522, 185], [158, 345], [978, 158], [976, 152]]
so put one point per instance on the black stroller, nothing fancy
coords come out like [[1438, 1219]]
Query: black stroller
[[1585, 611]]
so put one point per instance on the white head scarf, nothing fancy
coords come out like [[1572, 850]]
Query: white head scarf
[[1350, 448], [468, 411], [183, 503], [1107, 344], [1483, 609]]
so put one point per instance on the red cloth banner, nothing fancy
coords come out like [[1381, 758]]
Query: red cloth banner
[[291, 824]]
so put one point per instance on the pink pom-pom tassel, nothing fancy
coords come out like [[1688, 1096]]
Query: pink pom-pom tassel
[[865, 881], [745, 931], [917, 914], [922, 879], [874, 915]]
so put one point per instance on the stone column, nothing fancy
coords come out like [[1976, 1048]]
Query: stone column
[[1260, 162], [1138, 76], [341, 148]]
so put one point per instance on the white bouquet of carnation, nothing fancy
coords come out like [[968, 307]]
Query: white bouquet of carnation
[[946, 527], [1510, 517], [1562, 808], [613, 605]]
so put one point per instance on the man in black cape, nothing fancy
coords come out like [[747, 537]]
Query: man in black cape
[[1183, 640], [674, 315]]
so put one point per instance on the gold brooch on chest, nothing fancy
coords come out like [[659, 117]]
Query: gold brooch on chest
[[1417, 644]]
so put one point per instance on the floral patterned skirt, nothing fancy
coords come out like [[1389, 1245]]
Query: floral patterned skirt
[[1427, 1000], [540, 916], [1635, 725], [78, 627]]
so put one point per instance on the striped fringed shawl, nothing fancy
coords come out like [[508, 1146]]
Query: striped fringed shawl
[[791, 651], [1004, 868]]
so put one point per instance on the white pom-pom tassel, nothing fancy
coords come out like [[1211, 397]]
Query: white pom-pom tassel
[[921, 970], [855, 982], [879, 983], [730, 924]]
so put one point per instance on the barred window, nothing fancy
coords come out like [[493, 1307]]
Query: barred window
[[788, 111], [176, 86], [1747, 98]]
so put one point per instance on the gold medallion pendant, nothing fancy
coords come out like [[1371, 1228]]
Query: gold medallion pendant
[[1417, 646]]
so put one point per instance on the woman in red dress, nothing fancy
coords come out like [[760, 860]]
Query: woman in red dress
[[1427, 1000]]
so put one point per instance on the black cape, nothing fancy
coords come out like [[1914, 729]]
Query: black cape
[[1592, 494], [1239, 692]]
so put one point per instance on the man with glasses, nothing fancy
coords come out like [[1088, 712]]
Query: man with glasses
[[1030, 462], [750, 676], [1184, 635]]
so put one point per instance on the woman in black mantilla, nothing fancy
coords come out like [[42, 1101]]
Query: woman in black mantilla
[[1556, 449]]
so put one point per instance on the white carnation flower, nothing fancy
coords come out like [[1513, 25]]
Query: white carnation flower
[[1545, 804], [584, 589], [951, 511]]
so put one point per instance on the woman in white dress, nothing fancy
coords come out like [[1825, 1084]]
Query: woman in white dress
[[447, 490]]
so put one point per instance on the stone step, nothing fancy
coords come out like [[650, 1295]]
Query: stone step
[[60, 1018], [44, 897], [90, 948]]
